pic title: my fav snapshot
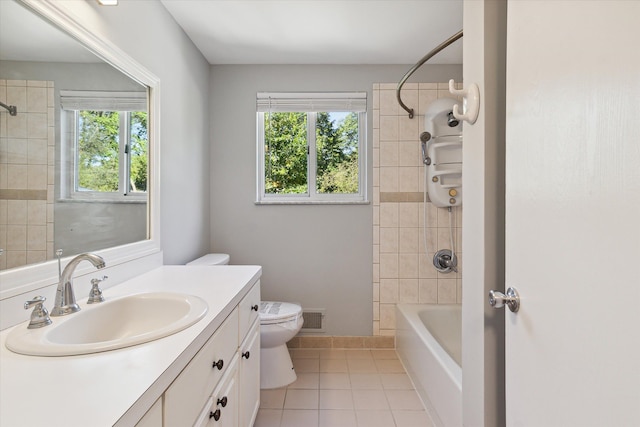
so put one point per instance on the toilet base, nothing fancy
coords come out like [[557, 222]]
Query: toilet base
[[276, 367]]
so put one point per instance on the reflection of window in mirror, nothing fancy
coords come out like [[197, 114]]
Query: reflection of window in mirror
[[105, 144]]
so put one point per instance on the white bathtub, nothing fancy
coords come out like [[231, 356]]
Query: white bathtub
[[429, 342]]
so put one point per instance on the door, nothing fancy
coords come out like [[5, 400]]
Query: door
[[573, 213]]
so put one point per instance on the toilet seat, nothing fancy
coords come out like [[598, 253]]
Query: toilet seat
[[276, 312]]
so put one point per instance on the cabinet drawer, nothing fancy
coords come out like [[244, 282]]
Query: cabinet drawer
[[185, 398], [222, 407], [248, 309]]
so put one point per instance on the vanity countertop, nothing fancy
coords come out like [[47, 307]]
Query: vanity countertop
[[117, 387]]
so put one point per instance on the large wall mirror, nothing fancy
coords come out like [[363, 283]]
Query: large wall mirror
[[78, 160]]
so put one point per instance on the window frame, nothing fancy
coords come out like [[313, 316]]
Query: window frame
[[72, 102], [312, 103]]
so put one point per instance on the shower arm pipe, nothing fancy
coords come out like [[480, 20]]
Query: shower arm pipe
[[419, 64], [12, 108]]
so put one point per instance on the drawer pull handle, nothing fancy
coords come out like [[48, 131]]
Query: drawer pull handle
[[254, 307], [222, 401], [215, 415], [219, 364], [246, 354]]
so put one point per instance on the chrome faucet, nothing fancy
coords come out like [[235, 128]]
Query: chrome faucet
[[65, 302]]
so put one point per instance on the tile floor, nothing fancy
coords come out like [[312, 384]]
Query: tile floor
[[344, 388]]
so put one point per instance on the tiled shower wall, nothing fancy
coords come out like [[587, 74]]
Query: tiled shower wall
[[402, 271], [27, 159]]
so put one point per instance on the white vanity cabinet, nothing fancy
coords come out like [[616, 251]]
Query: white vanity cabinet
[[153, 417], [250, 376], [221, 409], [186, 397], [221, 385], [249, 363]]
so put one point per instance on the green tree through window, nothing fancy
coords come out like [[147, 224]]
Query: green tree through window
[[286, 153], [105, 139]]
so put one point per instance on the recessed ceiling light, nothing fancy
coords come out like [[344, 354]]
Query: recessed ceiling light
[[108, 2]]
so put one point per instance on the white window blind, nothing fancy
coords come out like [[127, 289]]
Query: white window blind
[[311, 102], [103, 101]]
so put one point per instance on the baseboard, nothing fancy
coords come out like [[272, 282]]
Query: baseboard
[[308, 341]]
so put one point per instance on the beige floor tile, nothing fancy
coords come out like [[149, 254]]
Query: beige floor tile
[[337, 418], [344, 388], [396, 382], [268, 418], [412, 419], [375, 419], [306, 365], [304, 353], [272, 399], [335, 381], [362, 366], [389, 366], [309, 380], [301, 399], [332, 353], [365, 381], [384, 354], [299, 418], [359, 354], [404, 400], [374, 400], [336, 399], [333, 365]]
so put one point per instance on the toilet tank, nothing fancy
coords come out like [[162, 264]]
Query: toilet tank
[[211, 259]]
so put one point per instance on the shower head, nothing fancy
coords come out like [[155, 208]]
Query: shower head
[[451, 120], [425, 136], [11, 108]]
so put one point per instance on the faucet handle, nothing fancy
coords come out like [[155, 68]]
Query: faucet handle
[[40, 315], [95, 295]]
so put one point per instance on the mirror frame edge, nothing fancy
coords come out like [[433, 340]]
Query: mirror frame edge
[[20, 280]]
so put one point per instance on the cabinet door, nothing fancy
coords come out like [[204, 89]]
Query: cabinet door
[[222, 408], [248, 310], [250, 376], [188, 394]]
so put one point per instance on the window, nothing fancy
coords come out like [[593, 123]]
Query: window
[[106, 145], [311, 147]]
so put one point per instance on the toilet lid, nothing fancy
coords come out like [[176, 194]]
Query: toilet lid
[[211, 259], [278, 312]]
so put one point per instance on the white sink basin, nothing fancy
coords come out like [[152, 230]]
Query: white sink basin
[[122, 322]]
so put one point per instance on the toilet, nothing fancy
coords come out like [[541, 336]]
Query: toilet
[[279, 322]]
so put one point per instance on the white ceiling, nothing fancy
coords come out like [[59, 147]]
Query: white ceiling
[[272, 31], [24, 36], [320, 31]]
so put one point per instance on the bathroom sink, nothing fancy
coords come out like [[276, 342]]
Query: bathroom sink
[[119, 323]]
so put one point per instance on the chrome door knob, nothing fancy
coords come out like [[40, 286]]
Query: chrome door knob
[[499, 300]]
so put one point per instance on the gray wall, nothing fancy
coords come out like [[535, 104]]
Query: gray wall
[[146, 32], [317, 255]]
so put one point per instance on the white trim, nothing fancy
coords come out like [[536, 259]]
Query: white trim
[[26, 279]]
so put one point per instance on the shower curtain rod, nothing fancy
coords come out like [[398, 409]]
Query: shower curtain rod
[[12, 109], [419, 64]]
